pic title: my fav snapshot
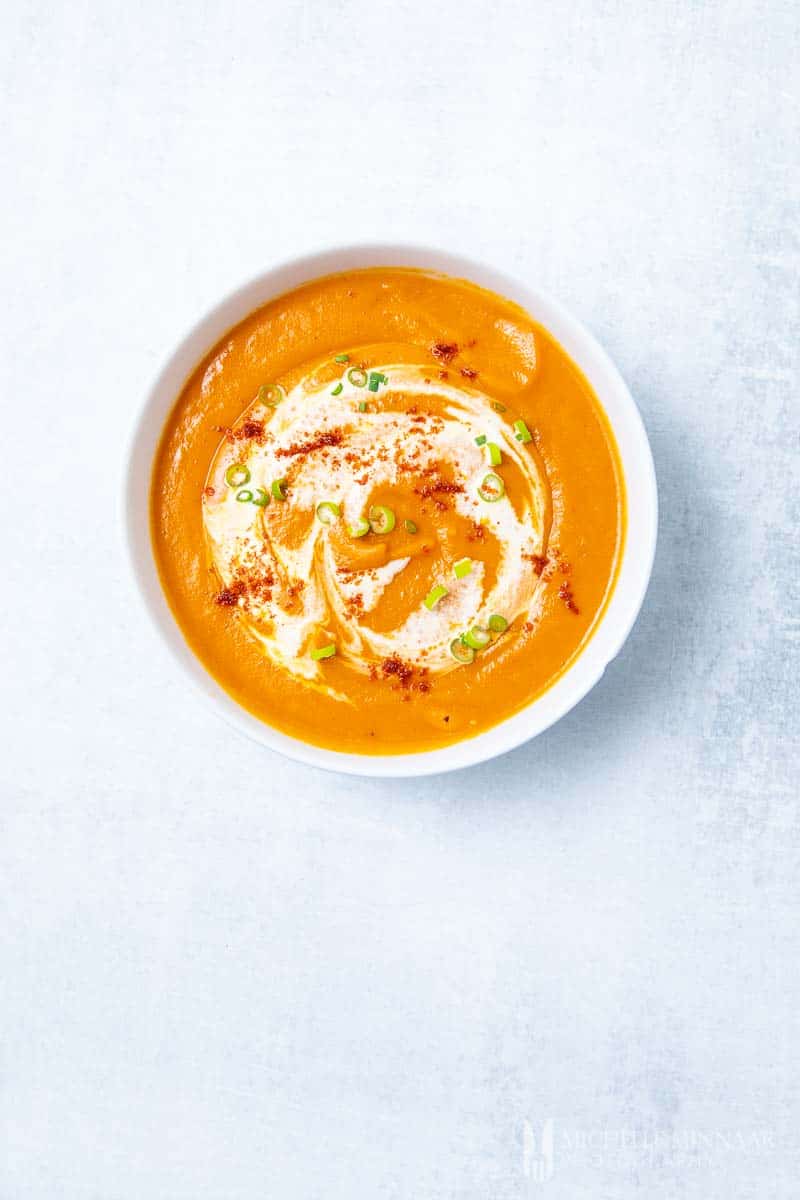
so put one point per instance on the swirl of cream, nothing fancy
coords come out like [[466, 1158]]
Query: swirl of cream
[[283, 568]]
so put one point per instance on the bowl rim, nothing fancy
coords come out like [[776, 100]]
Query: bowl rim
[[638, 552]]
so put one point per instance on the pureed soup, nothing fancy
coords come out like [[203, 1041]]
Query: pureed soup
[[387, 511]]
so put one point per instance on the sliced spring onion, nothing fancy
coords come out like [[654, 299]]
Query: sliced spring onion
[[338, 388], [410, 526], [495, 455], [492, 488], [522, 433], [480, 440], [324, 652], [498, 407], [342, 358], [461, 652], [360, 527], [376, 379], [271, 394], [497, 624], [328, 511], [477, 638], [244, 496], [357, 377], [279, 489], [381, 519], [462, 568], [262, 499], [362, 406], [236, 475], [434, 596]]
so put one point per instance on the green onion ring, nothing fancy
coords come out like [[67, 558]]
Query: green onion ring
[[271, 394], [461, 652], [492, 488], [262, 499], [236, 475], [357, 376], [244, 496], [497, 624], [477, 637], [279, 489], [324, 652], [328, 511], [360, 527], [381, 519], [433, 597]]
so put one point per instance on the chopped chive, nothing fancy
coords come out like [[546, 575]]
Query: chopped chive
[[381, 519], [324, 652], [271, 394], [357, 377], [342, 358], [244, 496], [495, 456], [461, 652], [462, 568], [434, 596], [328, 511], [477, 638], [339, 387], [497, 624], [236, 475], [262, 499], [480, 440], [279, 489], [410, 526], [492, 488], [522, 433], [498, 407], [360, 527], [362, 406]]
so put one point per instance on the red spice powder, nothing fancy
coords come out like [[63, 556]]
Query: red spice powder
[[444, 351], [469, 372], [565, 594], [539, 561], [230, 596], [247, 431], [394, 667], [333, 438], [252, 429], [439, 487]]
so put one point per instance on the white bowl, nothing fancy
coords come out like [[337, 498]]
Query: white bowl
[[637, 464]]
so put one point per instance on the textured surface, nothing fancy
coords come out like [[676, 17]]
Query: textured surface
[[226, 976]]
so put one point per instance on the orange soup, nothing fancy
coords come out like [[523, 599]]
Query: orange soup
[[387, 511]]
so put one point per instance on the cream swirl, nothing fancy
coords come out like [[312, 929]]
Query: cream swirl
[[296, 581]]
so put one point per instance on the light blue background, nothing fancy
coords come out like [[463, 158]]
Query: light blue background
[[226, 976]]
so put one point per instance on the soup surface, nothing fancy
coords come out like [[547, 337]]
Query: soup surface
[[387, 511]]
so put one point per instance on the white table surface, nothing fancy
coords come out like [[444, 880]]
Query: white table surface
[[227, 976]]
